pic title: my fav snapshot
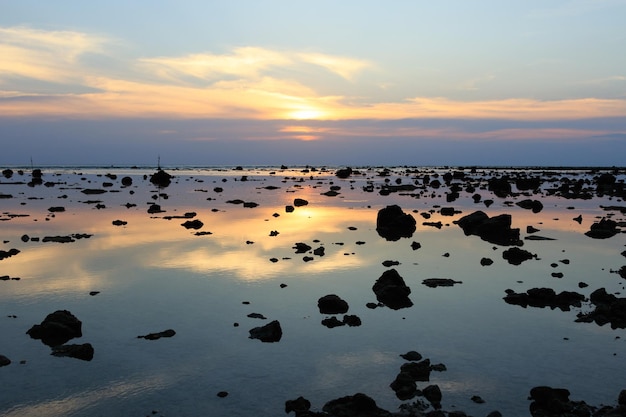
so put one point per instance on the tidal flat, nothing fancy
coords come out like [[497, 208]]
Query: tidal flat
[[174, 275]]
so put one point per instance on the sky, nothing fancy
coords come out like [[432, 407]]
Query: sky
[[325, 82]]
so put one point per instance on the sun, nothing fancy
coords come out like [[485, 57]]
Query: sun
[[305, 114]]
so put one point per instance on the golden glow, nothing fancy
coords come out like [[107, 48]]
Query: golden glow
[[306, 114]]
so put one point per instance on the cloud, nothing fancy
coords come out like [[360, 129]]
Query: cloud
[[344, 67]]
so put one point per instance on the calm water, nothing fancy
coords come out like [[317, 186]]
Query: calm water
[[153, 274]]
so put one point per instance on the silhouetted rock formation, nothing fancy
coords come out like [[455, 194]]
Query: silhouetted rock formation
[[495, 229], [392, 223]]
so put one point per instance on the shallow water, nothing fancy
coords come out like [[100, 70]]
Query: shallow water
[[154, 274]]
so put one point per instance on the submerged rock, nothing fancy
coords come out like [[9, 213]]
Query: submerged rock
[[4, 361], [516, 256], [545, 297], [440, 282], [332, 304], [392, 223], [603, 229], [158, 335], [608, 309]]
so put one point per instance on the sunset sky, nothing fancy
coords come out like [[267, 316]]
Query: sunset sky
[[458, 82]]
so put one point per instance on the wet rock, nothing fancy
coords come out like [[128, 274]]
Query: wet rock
[[391, 290], [56, 209], [515, 256], [83, 352], [257, 316], [389, 263], [392, 223], [193, 224], [319, 251], [250, 204], [419, 371], [289, 209], [545, 297], [603, 229], [270, 333], [411, 355], [4, 361], [495, 229], [352, 320], [535, 205], [222, 394], [332, 322], [332, 304], [440, 282], [93, 191], [127, 181], [119, 223], [357, 405], [415, 245], [548, 402], [57, 328], [155, 208], [158, 335], [404, 386], [499, 186]]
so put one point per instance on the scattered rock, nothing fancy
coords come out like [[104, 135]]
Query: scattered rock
[[193, 224], [270, 333], [392, 223], [357, 405], [608, 309], [257, 316], [300, 202], [4, 361], [332, 322], [535, 205], [415, 245], [412, 356], [301, 247], [603, 229], [222, 394], [545, 297], [161, 179], [486, 261], [389, 263], [391, 290], [343, 172], [7, 254]]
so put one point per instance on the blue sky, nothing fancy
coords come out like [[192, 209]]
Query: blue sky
[[324, 82]]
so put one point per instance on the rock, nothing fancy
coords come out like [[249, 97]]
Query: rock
[[161, 179], [499, 186], [257, 316], [332, 304], [343, 172], [332, 322], [477, 399], [433, 394], [83, 352], [389, 263], [440, 282], [56, 209], [300, 202], [404, 386], [352, 320], [270, 333], [495, 230], [127, 181], [289, 209], [486, 261], [158, 335], [192, 224], [411, 356], [549, 401], [391, 290], [300, 406], [93, 191], [535, 205], [515, 256], [119, 223], [603, 229], [392, 223], [319, 251], [608, 309], [155, 208], [4, 361], [222, 394], [415, 245], [357, 405], [545, 297], [419, 371], [301, 247], [57, 328], [7, 254]]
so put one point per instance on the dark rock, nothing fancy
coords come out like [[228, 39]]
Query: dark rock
[[392, 223], [289, 209], [415, 245], [332, 322], [411, 356], [300, 202], [545, 297], [127, 181], [83, 352], [391, 290], [300, 406], [440, 282], [301, 247], [477, 399], [257, 316], [433, 394], [531, 229], [447, 211], [495, 230], [499, 186], [608, 309], [92, 191], [332, 304], [486, 261], [7, 254], [352, 320], [319, 251], [535, 205], [57, 328], [193, 224], [119, 223], [158, 335], [357, 405], [404, 386], [419, 371], [4, 361], [250, 204], [515, 256], [56, 209], [603, 229], [549, 401], [389, 263], [270, 333], [161, 178], [222, 394], [154, 208], [343, 172]]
